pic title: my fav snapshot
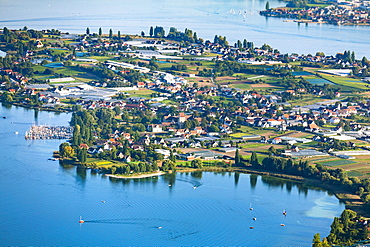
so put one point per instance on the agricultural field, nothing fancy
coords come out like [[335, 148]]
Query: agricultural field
[[251, 145], [358, 167], [246, 130], [337, 162], [346, 82], [143, 93], [307, 99]]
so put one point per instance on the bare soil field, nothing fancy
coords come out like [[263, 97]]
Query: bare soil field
[[350, 167], [202, 81], [298, 134], [363, 157], [261, 85]]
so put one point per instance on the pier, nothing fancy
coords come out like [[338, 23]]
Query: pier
[[49, 132]]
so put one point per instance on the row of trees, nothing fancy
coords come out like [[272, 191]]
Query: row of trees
[[337, 177], [130, 168], [345, 231]]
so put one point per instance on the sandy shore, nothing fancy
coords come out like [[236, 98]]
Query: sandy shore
[[146, 175]]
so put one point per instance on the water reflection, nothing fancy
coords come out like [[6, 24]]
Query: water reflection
[[6, 105], [81, 174], [236, 178], [253, 180], [36, 114], [194, 179]]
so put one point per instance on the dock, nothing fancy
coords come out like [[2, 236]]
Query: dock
[[49, 132]]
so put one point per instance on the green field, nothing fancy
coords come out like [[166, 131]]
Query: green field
[[253, 145], [354, 174], [346, 82], [145, 93], [337, 162], [242, 86], [250, 130]]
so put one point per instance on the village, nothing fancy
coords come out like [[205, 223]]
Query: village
[[205, 112]]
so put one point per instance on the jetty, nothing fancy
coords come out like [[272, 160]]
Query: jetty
[[49, 132]]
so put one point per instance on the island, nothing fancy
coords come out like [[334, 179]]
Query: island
[[163, 103], [337, 13]]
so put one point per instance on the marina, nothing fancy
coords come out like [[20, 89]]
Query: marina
[[49, 132]]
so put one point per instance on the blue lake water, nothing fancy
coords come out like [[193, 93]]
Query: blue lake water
[[41, 201], [207, 17], [300, 73], [319, 81], [54, 65], [2, 53]]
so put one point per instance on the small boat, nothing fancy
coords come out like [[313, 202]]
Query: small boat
[[282, 224], [4, 117], [16, 132], [170, 185], [159, 227], [250, 207], [81, 220], [251, 227], [284, 213], [103, 201], [254, 218]]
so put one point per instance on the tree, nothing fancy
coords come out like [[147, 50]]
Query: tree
[[254, 159], [76, 139], [195, 37], [151, 32], [119, 35], [267, 5], [110, 33], [82, 155], [272, 150], [5, 31], [316, 242], [237, 158], [197, 163], [87, 31], [100, 31], [168, 165], [142, 34], [172, 157], [65, 150]]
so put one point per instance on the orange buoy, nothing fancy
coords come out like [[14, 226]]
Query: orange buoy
[[81, 220]]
